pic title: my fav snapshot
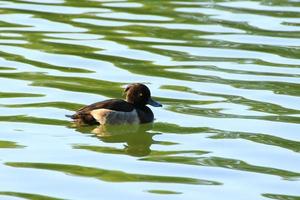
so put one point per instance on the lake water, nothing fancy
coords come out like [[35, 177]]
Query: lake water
[[227, 73]]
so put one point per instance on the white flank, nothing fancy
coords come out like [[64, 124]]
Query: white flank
[[106, 116]]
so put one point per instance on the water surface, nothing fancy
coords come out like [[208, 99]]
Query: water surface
[[227, 73]]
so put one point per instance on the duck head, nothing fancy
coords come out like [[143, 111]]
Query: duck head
[[140, 95]]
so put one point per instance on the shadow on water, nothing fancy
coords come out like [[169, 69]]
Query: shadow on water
[[28, 196], [224, 163], [281, 196], [137, 139], [111, 175], [9, 144]]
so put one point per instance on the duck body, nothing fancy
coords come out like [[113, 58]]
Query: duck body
[[117, 111]]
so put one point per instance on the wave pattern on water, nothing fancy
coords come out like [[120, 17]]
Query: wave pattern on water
[[227, 73]]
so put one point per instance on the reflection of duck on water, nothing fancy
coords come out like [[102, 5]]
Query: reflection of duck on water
[[137, 138]]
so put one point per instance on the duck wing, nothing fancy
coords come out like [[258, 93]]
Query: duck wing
[[84, 113]]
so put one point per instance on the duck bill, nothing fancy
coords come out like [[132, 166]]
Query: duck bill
[[154, 103]]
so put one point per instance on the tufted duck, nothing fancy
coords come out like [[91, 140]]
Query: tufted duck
[[117, 111]]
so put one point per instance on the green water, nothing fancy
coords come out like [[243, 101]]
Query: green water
[[227, 73]]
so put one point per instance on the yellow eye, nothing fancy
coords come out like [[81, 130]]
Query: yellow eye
[[141, 94]]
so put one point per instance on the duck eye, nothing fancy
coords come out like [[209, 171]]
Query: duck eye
[[141, 94]]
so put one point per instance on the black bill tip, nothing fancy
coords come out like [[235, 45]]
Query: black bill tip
[[154, 103]]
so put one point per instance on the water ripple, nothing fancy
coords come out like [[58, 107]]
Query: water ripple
[[226, 72]]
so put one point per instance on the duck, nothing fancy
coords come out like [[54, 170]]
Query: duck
[[132, 110]]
